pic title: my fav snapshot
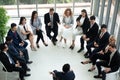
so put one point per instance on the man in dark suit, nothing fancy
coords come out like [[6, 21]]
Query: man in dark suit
[[65, 75], [10, 64], [91, 33], [51, 21], [15, 53], [112, 63], [17, 41], [100, 42]]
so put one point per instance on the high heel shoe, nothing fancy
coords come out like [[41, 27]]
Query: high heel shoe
[[85, 62], [91, 69], [71, 47], [37, 45], [33, 48], [45, 44]]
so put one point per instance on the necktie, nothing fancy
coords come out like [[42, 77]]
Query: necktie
[[51, 19], [101, 35]]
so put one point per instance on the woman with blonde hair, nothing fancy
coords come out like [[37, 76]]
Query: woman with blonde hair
[[67, 22]]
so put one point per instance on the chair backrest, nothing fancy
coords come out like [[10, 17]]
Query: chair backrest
[[3, 66]]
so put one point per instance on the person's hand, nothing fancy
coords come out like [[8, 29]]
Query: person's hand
[[17, 64], [66, 26], [101, 52], [107, 70], [21, 53], [78, 23], [49, 24], [21, 44], [84, 37], [87, 39]]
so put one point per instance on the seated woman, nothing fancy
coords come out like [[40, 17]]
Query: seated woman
[[66, 74], [99, 55], [36, 26], [67, 26], [25, 33], [82, 26]]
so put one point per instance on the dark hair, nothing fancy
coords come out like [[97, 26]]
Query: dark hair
[[85, 12], [66, 68], [112, 45], [51, 9], [8, 38], [32, 17], [2, 46], [13, 25], [103, 26], [92, 17], [21, 19]]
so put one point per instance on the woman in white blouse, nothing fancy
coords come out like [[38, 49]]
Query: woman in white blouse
[[67, 25], [25, 33], [81, 27]]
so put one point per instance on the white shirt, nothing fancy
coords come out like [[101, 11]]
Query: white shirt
[[111, 56], [10, 60], [82, 20]]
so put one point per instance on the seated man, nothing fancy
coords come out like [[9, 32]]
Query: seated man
[[112, 63], [10, 64], [65, 75], [17, 41], [15, 53], [99, 43], [90, 34]]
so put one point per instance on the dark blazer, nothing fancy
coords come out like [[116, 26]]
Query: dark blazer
[[65, 76], [103, 42], [115, 61], [56, 20], [16, 39], [93, 32], [86, 24], [4, 59]]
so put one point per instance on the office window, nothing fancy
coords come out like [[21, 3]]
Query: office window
[[10, 6], [26, 7]]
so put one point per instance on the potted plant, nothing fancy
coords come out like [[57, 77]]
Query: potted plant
[[3, 21]]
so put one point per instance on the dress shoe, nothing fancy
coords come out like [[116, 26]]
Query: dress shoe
[[97, 76], [37, 45], [53, 41], [26, 75], [45, 44], [29, 62], [87, 56], [28, 69], [80, 50]]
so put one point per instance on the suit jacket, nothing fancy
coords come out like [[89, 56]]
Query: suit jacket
[[16, 38], [4, 59], [55, 20], [92, 32], [115, 61], [102, 42], [64, 76], [86, 24]]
